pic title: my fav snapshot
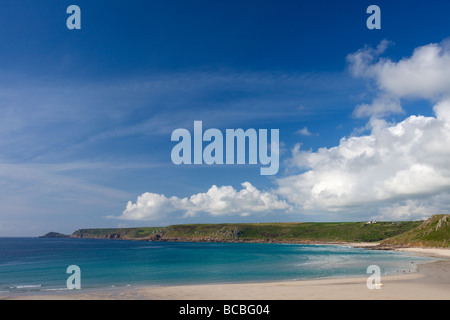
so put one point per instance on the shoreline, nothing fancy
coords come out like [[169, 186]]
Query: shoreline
[[430, 281], [364, 245]]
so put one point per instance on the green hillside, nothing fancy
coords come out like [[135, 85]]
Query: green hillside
[[326, 232], [117, 233], [259, 232], [433, 232]]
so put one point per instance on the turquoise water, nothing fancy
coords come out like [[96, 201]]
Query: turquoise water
[[32, 264]]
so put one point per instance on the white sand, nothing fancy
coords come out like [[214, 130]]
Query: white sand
[[431, 252]]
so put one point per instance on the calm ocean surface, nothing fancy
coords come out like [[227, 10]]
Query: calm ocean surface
[[33, 264]]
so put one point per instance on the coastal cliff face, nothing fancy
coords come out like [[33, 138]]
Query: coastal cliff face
[[170, 233], [259, 232], [117, 233], [80, 234], [433, 232]]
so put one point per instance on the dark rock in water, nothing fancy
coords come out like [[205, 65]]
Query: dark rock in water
[[54, 235]]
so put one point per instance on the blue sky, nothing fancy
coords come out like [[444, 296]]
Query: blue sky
[[86, 115]]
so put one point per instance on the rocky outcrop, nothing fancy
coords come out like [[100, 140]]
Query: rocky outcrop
[[53, 235], [229, 234], [444, 221], [433, 232], [113, 236]]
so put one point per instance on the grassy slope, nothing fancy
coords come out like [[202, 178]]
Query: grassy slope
[[345, 231], [434, 232], [282, 232], [124, 233]]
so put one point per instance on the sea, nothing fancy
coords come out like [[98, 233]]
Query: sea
[[41, 265]]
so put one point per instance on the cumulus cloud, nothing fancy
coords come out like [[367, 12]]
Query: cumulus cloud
[[381, 106], [394, 162], [425, 74], [217, 201], [396, 171], [408, 210]]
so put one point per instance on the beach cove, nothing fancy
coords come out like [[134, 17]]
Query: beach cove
[[429, 280]]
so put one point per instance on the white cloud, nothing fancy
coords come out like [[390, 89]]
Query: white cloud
[[394, 162], [396, 171], [425, 74], [217, 201], [381, 106], [361, 61], [304, 132], [150, 206], [409, 210]]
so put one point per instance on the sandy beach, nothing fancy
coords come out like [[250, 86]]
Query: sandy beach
[[431, 281]]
